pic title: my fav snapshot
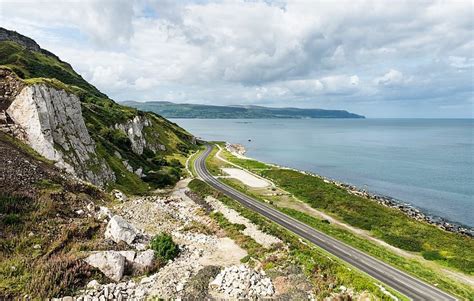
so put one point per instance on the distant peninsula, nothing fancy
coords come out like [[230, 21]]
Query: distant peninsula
[[175, 110]]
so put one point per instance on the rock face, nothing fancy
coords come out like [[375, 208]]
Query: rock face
[[111, 263], [119, 230], [134, 130], [52, 123]]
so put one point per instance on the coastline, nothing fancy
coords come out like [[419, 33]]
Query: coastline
[[408, 209]]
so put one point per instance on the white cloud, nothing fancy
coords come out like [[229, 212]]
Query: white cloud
[[257, 51], [391, 78]]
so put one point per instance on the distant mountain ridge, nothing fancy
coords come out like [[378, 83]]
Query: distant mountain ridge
[[174, 110]]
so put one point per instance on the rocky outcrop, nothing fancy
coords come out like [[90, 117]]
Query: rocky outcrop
[[10, 86], [52, 124], [134, 130]]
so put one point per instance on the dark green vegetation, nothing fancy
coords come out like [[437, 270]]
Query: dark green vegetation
[[324, 271], [101, 114], [173, 110], [164, 247], [394, 227]]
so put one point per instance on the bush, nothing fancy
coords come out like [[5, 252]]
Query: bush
[[175, 163], [11, 219], [164, 247], [183, 148], [117, 137], [432, 255], [166, 177], [159, 161]]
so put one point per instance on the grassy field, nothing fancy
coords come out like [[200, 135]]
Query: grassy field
[[325, 271], [445, 250]]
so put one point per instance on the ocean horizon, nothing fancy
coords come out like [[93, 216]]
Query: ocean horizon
[[428, 163]]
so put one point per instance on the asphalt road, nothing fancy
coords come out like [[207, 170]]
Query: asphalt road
[[409, 286]]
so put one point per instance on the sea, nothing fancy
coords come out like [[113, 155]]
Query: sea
[[428, 163]]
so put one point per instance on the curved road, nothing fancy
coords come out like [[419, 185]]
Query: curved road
[[411, 287]]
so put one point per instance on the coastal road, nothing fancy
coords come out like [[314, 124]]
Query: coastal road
[[409, 286]]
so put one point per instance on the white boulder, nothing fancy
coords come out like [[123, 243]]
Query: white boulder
[[129, 255], [111, 263], [119, 230], [144, 259]]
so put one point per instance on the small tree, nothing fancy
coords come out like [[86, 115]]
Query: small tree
[[164, 246]]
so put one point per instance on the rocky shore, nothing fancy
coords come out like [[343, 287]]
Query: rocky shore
[[404, 207]]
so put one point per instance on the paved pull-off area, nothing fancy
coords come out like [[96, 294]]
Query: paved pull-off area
[[402, 282]]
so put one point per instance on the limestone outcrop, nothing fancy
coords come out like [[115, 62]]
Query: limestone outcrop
[[134, 130], [52, 124]]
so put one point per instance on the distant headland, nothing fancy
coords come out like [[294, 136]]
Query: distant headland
[[174, 110]]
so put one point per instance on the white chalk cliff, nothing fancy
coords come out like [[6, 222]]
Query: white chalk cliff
[[53, 125]]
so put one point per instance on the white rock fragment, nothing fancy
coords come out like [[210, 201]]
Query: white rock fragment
[[94, 284], [111, 263], [104, 212], [118, 195], [129, 255], [144, 259], [119, 230]]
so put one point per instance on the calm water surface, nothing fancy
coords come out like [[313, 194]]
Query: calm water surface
[[426, 162]]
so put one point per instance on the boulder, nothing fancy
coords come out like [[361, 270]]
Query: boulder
[[119, 230], [129, 255], [111, 263], [144, 259]]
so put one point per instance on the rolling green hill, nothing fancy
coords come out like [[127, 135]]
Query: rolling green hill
[[174, 110]]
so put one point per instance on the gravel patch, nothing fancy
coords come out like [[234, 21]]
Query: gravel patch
[[251, 229]]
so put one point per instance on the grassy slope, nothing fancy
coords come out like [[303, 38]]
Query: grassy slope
[[41, 237], [455, 244], [101, 114]]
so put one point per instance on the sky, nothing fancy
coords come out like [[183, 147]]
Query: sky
[[376, 58]]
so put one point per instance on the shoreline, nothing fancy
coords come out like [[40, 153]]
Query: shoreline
[[238, 150]]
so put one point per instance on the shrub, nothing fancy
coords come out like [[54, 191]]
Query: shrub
[[164, 246], [182, 148], [403, 242], [117, 137], [175, 163], [432, 255], [165, 177], [11, 219], [159, 161]]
